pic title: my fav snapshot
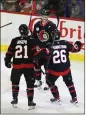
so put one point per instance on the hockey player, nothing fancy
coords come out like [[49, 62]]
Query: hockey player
[[23, 50], [43, 31], [59, 65]]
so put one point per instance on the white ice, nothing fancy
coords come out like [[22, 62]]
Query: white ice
[[41, 97]]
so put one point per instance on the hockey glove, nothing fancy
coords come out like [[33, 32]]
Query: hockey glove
[[78, 45], [7, 63]]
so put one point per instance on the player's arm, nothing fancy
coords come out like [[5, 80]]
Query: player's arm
[[76, 47], [39, 53], [9, 55]]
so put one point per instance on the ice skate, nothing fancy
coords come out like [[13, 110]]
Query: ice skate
[[46, 87], [31, 105], [14, 103], [38, 84], [74, 101], [56, 100]]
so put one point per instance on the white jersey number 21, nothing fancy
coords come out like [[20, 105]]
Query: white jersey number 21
[[18, 53]]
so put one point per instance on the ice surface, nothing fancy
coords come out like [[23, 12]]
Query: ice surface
[[41, 97]]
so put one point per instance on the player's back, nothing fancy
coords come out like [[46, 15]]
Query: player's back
[[21, 49], [60, 56]]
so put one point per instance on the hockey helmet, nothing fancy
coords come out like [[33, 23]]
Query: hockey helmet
[[45, 12], [23, 29]]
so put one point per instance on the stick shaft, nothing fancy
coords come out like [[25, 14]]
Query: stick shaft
[[30, 17], [5, 25]]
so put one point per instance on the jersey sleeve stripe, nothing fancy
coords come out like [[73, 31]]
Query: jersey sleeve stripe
[[38, 52], [34, 48]]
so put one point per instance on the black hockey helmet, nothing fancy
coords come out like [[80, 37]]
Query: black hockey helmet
[[23, 29], [45, 12]]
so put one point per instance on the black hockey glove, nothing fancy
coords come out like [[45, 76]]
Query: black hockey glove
[[78, 45], [7, 63]]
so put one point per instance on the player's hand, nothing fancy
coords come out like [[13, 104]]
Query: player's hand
[[47, 51], [78, 45], [8, 63]]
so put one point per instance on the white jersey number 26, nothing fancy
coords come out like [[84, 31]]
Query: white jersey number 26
[[59, 56]]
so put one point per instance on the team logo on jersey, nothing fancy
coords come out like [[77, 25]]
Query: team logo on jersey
[[43, 36]]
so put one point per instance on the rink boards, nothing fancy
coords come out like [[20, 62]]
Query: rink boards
[[70, 29]]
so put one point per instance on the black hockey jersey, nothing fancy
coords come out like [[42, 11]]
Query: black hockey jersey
[[60, 62], [23, 51], [43, 33]]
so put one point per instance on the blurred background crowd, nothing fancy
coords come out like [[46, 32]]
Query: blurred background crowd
[[63, 8]]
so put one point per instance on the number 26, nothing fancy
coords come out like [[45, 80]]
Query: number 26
[[59, 56]]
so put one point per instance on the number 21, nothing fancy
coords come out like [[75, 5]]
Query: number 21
[[19, 51]]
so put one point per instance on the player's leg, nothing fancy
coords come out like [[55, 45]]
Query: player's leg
[[70, 85], [29, 77], [50, 80], [15, 79], [37, 70], [46, 87]]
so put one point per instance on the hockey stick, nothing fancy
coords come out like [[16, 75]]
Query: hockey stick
[[42, 71], [5, 25], [30, 22], [30, 18]]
